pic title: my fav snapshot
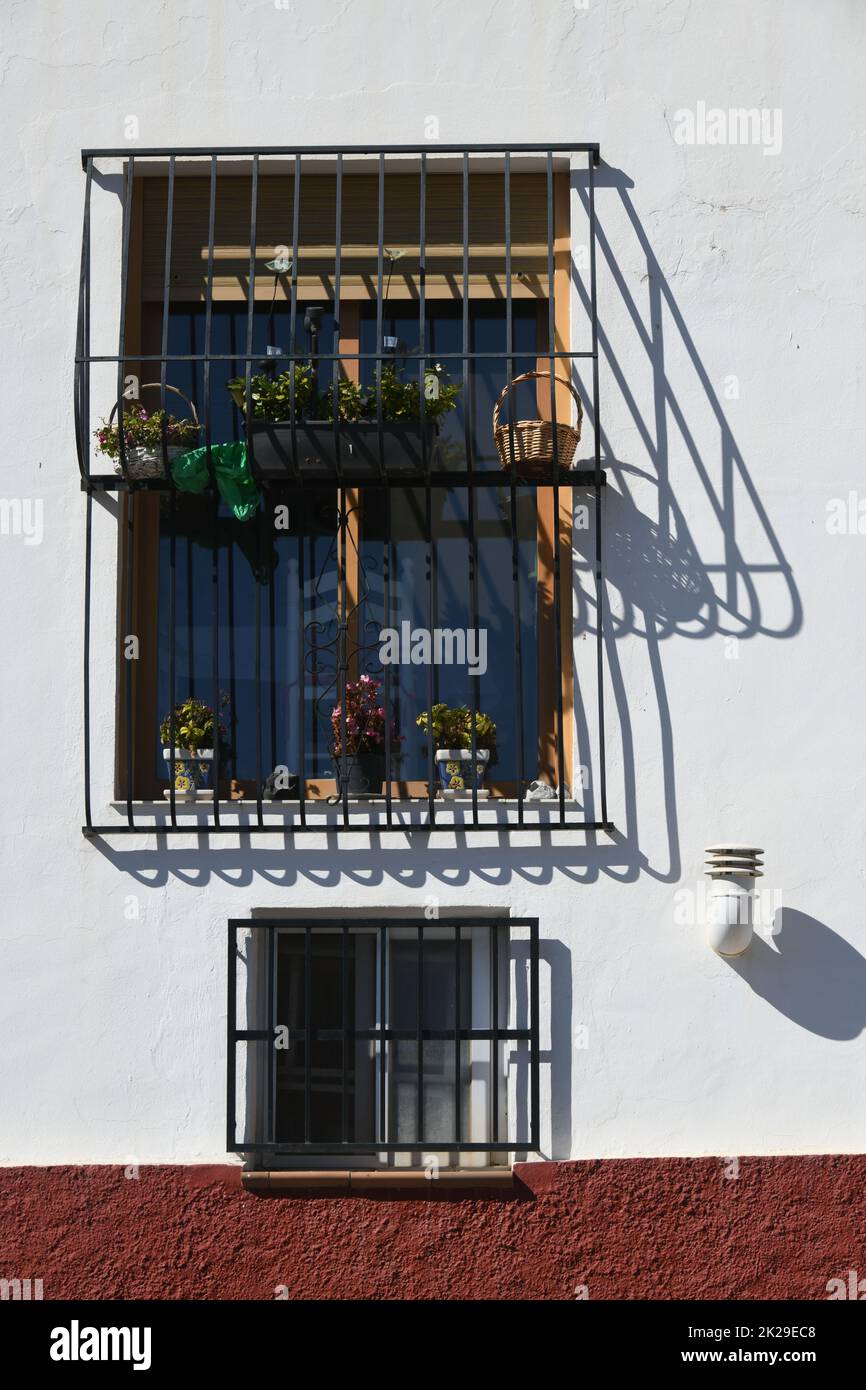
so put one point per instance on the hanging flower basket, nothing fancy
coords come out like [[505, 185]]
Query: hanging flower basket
[[143, 430], [533, 439]]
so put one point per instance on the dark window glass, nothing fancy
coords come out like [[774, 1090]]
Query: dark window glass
[[249, 556]]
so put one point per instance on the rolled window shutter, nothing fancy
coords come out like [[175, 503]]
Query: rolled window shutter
[[444, 246]]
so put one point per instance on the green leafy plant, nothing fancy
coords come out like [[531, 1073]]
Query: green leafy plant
[[142, 429], [270, 397], [452, 728], [194, 725]]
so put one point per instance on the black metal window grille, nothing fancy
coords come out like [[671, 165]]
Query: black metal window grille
[[358, 1037], [422, 471]]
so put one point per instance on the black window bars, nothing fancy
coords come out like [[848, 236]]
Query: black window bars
[[423, 470], [348, 1036]]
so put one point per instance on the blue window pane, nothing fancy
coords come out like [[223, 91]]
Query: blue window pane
[[310, 542]]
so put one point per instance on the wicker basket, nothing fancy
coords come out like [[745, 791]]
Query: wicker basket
[[533, 439], [144, 463]]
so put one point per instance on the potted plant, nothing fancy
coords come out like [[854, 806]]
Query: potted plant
[[309, 441], [194, 731], [143, 436], [451, 728], [365, 739]]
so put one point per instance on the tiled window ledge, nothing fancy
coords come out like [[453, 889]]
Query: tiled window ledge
[[346, 1181]]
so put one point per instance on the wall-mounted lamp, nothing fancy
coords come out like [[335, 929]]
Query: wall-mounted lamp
[[732, 870]]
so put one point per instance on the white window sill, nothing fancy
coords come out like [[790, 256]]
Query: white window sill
[[242, 815]]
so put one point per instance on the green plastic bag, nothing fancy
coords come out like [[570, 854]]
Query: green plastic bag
[[236, 485]]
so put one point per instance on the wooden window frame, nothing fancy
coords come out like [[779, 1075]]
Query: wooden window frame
[[144, 316]]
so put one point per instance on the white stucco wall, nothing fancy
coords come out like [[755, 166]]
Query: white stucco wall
[[717, 262]]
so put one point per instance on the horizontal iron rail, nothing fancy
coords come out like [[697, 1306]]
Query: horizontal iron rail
[[327, 926], [336, 827], [300, 1035], [429, 148], [372, 1146], [303, 356], [491, 477]]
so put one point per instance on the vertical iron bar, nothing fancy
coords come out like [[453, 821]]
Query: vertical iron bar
[[428, 497], [124, 285], [251, 307], [599, 576], [428, 579], [231, 1039], [258, 664], [82, 341], [215, 648], [470, 495], [458, 1009], [172, 646], [166, 299], [338, 255], [308, 1029], [211, 468], [293, 314], [130, 501], [344, 1093], [270, 1109], [383, 1014], [422, 314], [130, 548], [494, 1042], [88, 571], [557, 576], [302, 679], [343, 647], [535, 1055], [272, 631], [379, 313], [419, 1024], [512, 492], [387, 565], [172, 595]]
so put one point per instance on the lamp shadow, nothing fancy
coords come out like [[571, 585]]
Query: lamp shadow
[[815, 977]]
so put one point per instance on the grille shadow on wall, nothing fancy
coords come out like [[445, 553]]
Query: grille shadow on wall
[[262, 585]]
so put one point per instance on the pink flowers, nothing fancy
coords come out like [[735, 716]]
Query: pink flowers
[[365, 719]]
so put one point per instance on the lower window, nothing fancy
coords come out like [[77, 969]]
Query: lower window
[[378, 1038]]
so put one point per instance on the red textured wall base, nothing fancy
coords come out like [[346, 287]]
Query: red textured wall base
[[631, 1228]]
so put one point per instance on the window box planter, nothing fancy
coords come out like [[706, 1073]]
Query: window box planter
[[315, 451]]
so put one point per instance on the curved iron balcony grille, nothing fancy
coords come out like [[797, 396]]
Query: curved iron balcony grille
[[348, 472]]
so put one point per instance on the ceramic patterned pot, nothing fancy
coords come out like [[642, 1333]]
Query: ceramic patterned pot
[[456, 770], [191, 772]]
